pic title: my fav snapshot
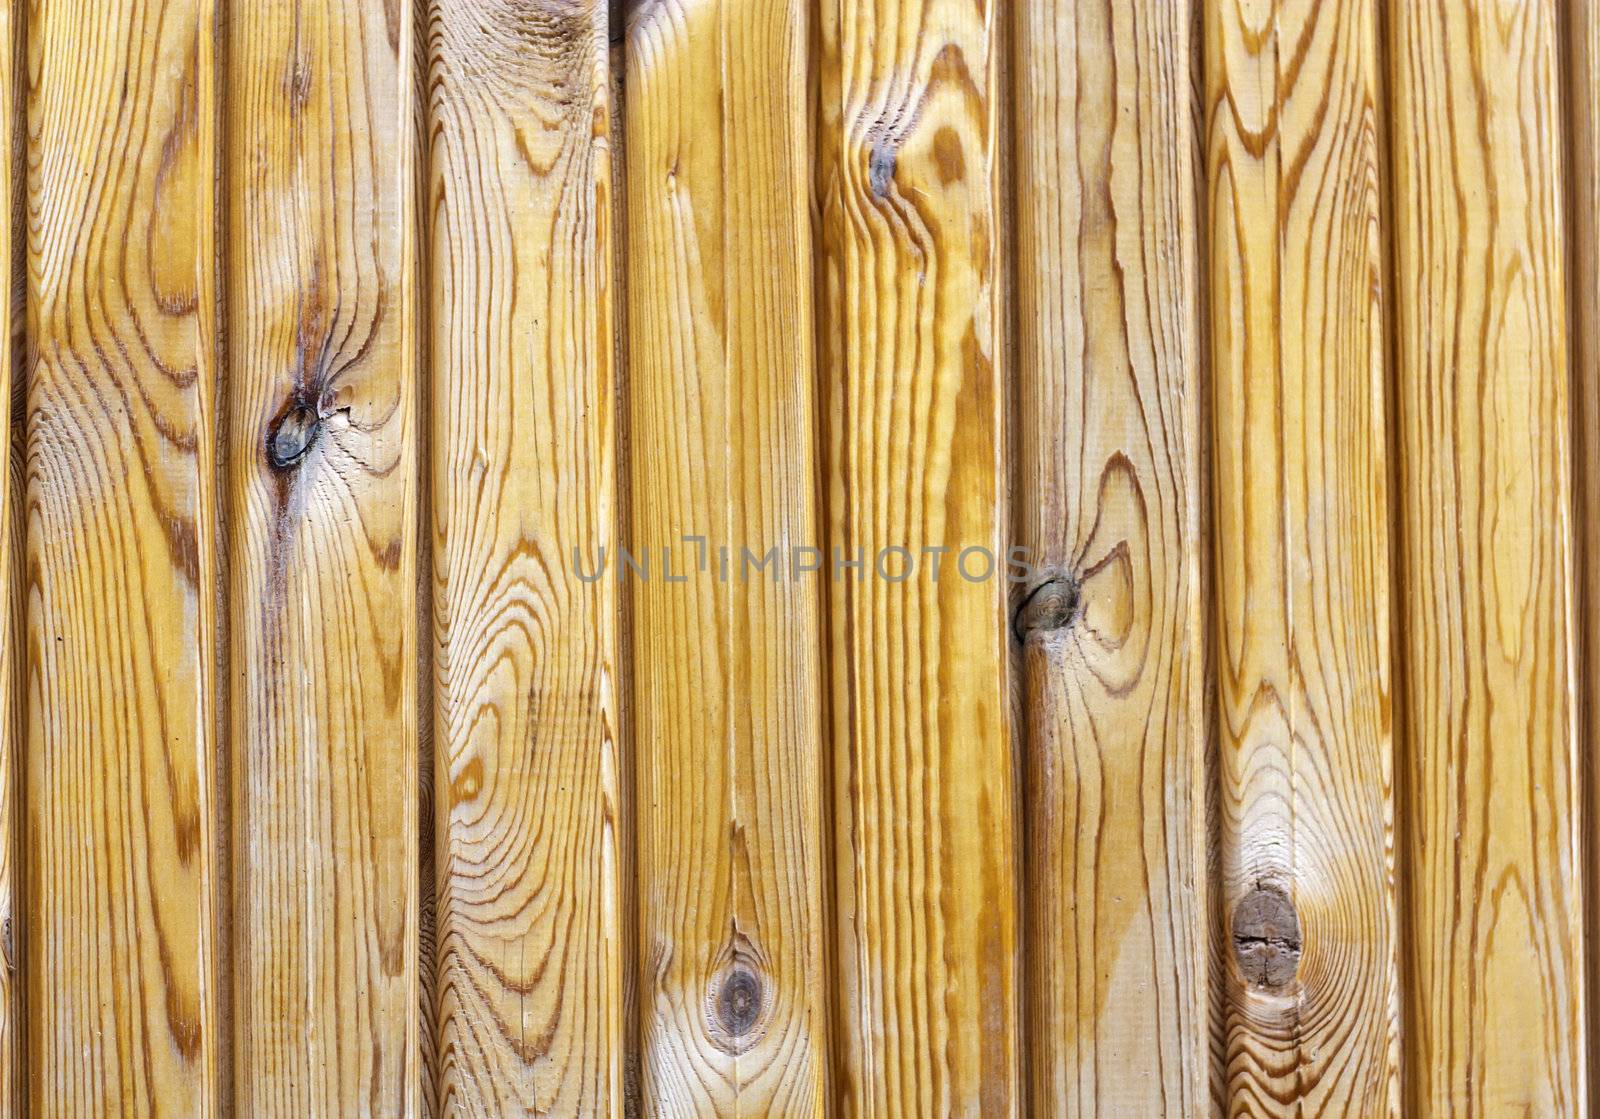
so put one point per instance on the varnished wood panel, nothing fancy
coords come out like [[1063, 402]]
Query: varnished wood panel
[[727, 665], [1302, 593], [322, 438], [1494, 981], [13, 907], [531, 944], [1109, 501], [120, 566], [1582, 31], [914, 406]]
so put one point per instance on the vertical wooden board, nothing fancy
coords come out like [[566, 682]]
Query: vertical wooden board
[[1495, 977], [524, 501], [1108, 502], [13, 1078], [120, 548], [1583, 196], [914, 419], [322, 344], [1302, 558], [727, 665]]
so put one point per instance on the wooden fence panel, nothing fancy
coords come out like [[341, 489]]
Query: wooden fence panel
[[529, 823], [1493, 843], [727, 666], [914, 397], [323, 347], [121, 430], [1109, 496], [1302, 558], [363, 751]]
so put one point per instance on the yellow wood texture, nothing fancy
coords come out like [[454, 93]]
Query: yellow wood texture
[[121, 428], [1109, 494], [1301, 582], [1493, 841], [13, 1077], [914, 407], [728, 702], [530, 942], [323, 428], [1583, 192]]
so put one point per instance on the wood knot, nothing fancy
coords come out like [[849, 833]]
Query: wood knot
[[881, 163], [739, 1002], [292, 435], [1266, 938], [1052, 605]]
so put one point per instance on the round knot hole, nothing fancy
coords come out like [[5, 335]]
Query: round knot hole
[[739, 1002], [292, 435], [1052, 605], [1266, 938]]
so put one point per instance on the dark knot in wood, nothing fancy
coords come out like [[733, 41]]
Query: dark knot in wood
[[739, 1002], [881, 163], [291, 435], [1266, 938], [1052, 605]]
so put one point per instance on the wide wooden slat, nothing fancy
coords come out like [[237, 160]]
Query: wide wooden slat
[[727, 666], [531, 951], [1300, 512], [323, 429], [121, 524], [1583, 195], [1493, 844], [1109, 501], [924, 781]]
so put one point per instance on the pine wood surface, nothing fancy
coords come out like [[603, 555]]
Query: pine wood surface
[[1109, 495]]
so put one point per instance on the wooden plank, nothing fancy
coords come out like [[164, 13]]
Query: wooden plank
[[13, 482], [121, 541], [727, 666], [526, 698], [1109, 502], [1493, 845], [1583, 196], [323, 430], [1300, 490], [915, 407]]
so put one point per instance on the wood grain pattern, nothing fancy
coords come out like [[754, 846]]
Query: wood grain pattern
[[914, 409], [120, 575], [727, 666], [526, 658], [1582, 32], [1302, 557], [323, 351], [13, 1022], [1494, 989], [1108, 494]]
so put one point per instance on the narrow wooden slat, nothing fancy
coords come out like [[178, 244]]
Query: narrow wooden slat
[[728, 665], [924, 780], [121, 725], [1583, 196], [1109, 500], [323, 428], [1300, 524], [13, 1024], [526, 699], [1494, 981]]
